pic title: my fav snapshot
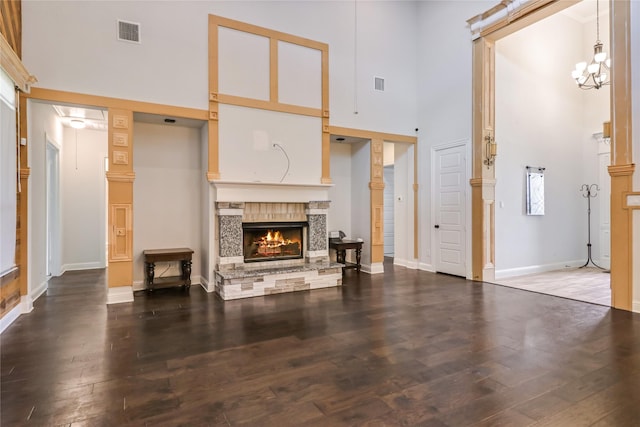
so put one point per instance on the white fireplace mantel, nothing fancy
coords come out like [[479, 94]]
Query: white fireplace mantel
[[235, 191]]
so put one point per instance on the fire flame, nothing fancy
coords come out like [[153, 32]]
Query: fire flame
[[273, 239], [273, 243]]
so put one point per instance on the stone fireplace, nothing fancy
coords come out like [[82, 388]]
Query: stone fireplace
[[267, 247]]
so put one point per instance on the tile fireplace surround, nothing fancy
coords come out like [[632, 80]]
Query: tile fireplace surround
[[262, 203]]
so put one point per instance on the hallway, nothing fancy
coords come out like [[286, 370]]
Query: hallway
[[405, 347]]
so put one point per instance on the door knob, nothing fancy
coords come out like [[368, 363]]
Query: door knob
[[436, 226]]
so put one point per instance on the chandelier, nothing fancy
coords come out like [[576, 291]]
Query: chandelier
[[594, 75]]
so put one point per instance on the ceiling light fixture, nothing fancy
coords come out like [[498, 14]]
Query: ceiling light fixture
[[594, 75], [77, 123]]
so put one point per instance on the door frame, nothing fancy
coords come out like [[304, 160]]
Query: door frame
[[53, 246], [466, 143], [493, 25]]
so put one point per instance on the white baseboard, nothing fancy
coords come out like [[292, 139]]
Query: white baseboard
[[81, 266], [426, 267], [120, 294], [408, 263], [533, 269], [23, 307], [209, 287], [10, 317], [375, 268], [636, 306], [37, 292]]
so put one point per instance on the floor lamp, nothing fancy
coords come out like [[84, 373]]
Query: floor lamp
[[589, 192]]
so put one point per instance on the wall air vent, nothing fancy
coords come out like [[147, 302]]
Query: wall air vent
[[378, 83], [128, 31]]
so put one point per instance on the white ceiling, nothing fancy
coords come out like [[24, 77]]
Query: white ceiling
[[585, 11], [92, 117]]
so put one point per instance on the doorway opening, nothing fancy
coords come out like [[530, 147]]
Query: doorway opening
[[554, 127], [73, 208]]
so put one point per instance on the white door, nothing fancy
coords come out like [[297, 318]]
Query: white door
[[604, 196], [449, 216], [389, 207]]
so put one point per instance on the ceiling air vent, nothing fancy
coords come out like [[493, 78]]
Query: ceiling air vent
[[128, 31], [379, 83]]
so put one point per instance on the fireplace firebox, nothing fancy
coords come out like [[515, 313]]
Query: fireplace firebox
[[273, 241]]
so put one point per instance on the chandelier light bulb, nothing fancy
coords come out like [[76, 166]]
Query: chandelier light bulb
[[594, 74]]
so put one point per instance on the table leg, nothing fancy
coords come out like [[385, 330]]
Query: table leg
[[151, 266], [186, 273], [358, 255]]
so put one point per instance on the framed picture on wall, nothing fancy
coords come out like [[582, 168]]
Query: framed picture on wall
[[535, 192]]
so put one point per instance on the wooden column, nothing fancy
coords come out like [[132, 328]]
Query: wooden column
[[213, 171], [376, 186], [23, 206], [483, 172], [120, 177], [622, 168], [326, 136]]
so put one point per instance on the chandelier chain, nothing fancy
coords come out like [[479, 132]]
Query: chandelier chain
[[598, 21]]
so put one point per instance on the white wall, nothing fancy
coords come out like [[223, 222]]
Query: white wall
[[539, 122], [389, 205], [42, 120], [166, 193], [444, 91], [207, 212], [403, 204], [340, 210], [247, 154], [361, 200], [83, 199], [171, 64]]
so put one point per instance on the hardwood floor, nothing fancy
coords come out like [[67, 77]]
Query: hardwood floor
[[401, 348]]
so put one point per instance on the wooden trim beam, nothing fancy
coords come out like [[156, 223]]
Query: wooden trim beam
[[499, 24], [266, 32], [14, 67], [117, 103], [269, 105], [368, 134]]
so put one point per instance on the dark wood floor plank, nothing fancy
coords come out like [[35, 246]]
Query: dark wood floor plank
[[403, 348]]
